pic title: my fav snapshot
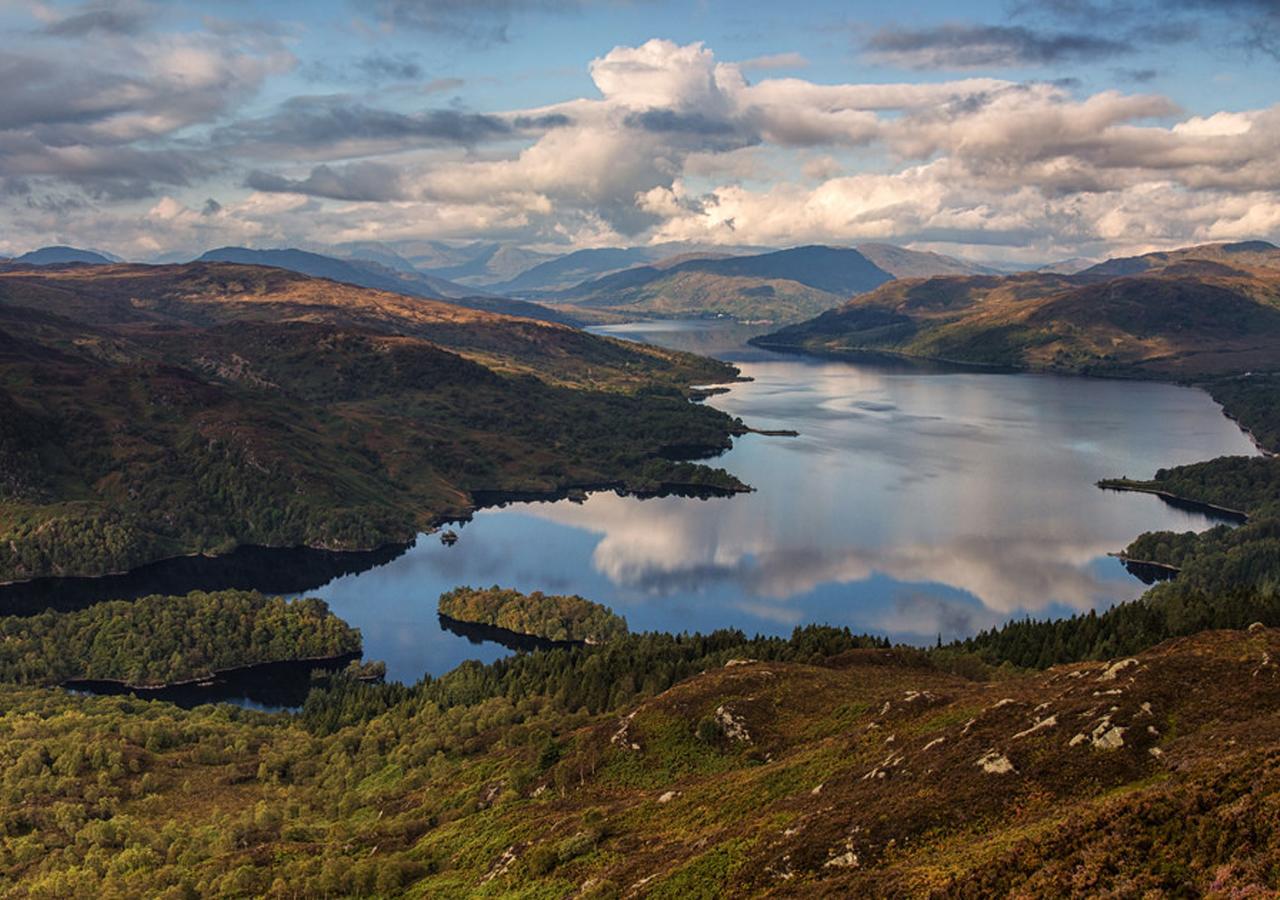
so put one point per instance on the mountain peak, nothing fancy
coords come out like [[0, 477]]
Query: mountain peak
[[58, 254]]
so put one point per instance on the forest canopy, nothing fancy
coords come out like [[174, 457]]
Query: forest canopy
[[161, 640], [553, 617]]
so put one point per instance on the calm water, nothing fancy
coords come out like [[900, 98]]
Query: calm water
[[913, 503]]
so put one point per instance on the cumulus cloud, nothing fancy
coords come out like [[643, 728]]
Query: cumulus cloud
[[773, 61], [106, 116], [673, 144]]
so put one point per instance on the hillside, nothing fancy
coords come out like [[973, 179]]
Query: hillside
[[827, 768], [1241, 254], [785, 285], [383, 276], [153, 411], [50, 256], [477, 263], [1183, 315], [903, 263]]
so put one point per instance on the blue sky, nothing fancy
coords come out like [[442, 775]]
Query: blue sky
[[994, 130]]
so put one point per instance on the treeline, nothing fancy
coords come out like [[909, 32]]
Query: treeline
[[158, 640], [1254, 402], [554, 617], [572, 679], [1229, 577], [1247, 483]]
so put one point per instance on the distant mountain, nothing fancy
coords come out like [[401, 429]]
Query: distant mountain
[[370, 274], [370, 251], [1184, 313], [1067, 266], [574, 268], [490, 264], [563, 272], [783, 285], [1242, 253], [48, 256], [903, 263]]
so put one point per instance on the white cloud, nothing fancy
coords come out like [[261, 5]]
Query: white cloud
[[677, 145]]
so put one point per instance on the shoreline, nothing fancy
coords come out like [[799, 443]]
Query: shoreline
[[481, 499], [330, 662], [1212, 509], [480, 632]]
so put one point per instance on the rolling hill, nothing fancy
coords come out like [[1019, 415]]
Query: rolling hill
[[562, 273], [903, 263], [48, 256], [1242, 253], [379, 276], [1199, 312], [153, 411], [784, 285], [809, 767], [779, 286]]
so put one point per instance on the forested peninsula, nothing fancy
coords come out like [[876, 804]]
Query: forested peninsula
[[160, 641], [149, 412]]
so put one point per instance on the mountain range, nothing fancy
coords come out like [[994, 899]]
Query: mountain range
[[597, 284], [379, 276], [783, 285]]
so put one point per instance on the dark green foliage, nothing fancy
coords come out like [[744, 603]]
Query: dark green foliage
[[594, 679], [159, 640], [552, 616], [1253, 401], [1228, 578], [307, 414]]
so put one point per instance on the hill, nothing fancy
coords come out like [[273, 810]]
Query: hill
[[476, 263], [48, 256], [480, 263], [573, 268], [817, 766], [1071, 266], [1184, 314], [381, 277], [783, 285], [153, 411], [1243, 253], [903, 263]]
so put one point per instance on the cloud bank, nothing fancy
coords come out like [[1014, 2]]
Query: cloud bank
[[115, 134]]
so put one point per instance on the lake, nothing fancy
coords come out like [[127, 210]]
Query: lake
[[915, 502]]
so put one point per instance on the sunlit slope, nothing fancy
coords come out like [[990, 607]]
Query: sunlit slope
[[152, 411], [1185, 314]]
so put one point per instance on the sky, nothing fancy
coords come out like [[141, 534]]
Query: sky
[[996, 130]]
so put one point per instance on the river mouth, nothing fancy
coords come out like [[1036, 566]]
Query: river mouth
[[916, 501]]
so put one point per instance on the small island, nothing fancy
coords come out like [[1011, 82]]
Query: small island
[[550, 617], [162, 642]]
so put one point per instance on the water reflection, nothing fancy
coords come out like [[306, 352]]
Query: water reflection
[[914, 502], [271, 570]]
